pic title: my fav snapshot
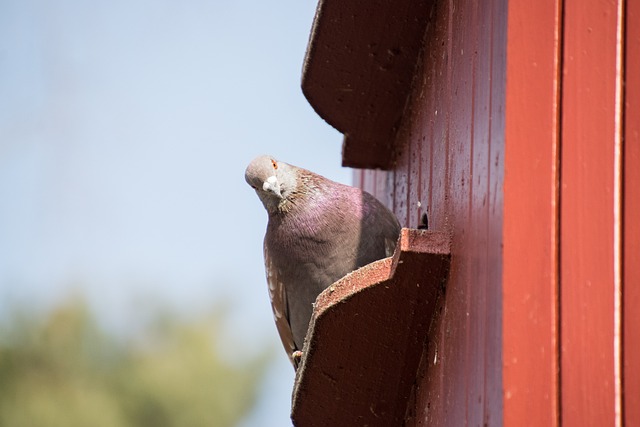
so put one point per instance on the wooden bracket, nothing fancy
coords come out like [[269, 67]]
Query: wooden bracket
[[367, 335], [358, 71]]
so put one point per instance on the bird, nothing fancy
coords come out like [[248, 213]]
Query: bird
[[317, 232]]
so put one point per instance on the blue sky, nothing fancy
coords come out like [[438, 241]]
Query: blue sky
[[125, 128]]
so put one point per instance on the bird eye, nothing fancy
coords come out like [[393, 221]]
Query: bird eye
[[274, 163]]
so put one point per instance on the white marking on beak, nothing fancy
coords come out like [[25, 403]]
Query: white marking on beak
[[271, 184]]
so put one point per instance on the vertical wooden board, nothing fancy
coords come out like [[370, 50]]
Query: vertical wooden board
[[588, 205], [455, 351], [432, 397], [367, 180], [439, 218], [391, 177], [414, 413], [407, 165], [426, 152], [454, 347], [480, 45], [530, 256], [382, 187], [357, 177], [464, 189], [461, 117], [428, 381], [427, 87], [439, 143], [467, 220], [401, 179], [414, 196], [430, 394], [495, 194], [453, 380], [631, 218]]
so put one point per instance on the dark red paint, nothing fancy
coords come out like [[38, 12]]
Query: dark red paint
[[631, 219], [366, 337], [512, 138], [358, 71]]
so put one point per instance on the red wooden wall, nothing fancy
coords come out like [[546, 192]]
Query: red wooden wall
[[531, 225], [631, 218], [590, 214], [449, 164], [572, 162], [521, 138]]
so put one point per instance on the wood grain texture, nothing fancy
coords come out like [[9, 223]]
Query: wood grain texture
[[530, 282], [520, 140], [355, 46], [359, 364], [631, 218], [449, 161], [494, 386], [590, 200]]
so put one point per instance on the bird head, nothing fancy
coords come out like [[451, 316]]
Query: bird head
[[272, 181]]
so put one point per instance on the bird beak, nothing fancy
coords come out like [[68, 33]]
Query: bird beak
[[272, 185]]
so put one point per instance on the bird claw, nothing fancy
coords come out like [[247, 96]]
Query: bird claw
[[297, 357]]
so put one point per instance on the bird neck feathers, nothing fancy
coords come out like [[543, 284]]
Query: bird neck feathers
[[307, 186]]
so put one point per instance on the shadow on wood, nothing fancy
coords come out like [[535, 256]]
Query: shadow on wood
[[367, 335]]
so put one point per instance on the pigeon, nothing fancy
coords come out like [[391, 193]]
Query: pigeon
[[318, 231]]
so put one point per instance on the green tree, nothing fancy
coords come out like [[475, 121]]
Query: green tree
[[63, 369]]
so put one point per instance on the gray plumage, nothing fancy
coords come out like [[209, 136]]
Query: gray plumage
[[318, 231]]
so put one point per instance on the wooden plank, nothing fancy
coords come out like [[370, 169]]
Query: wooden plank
[[414, 196], [400, 175], [452, 351], [631, 249], [428, 403], [465, 320], [590, 208], [451, 151], [366, 337], [530, 226], [530, 255], [433, 383], [358, 70], [462, 172], [495, 20]]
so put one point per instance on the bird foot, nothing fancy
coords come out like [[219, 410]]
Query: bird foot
[[297, 357]]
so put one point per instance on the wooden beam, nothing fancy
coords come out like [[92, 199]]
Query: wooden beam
[[530, 281], [358, 71], [367, 335], [591, 213]]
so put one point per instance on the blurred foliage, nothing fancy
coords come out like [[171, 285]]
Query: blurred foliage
[[63, 369]]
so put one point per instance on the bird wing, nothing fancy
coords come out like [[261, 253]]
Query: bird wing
[[278, 296]]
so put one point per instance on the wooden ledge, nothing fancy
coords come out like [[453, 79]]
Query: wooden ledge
[[358, 71], [367, 334]]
